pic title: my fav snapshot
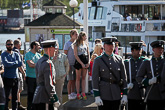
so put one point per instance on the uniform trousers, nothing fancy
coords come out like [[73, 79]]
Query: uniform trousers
[[42, 106], [136, 104], [31, 87], [11, 85], [155, 105], [59, 87], [110, 105]]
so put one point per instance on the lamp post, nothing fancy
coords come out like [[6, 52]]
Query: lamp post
[[73, 4]]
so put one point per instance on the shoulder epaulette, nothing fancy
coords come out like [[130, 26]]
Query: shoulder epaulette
[[126, 60], [98, 57], [146, 59]]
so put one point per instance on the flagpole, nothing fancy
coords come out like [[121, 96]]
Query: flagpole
[[31, 11]]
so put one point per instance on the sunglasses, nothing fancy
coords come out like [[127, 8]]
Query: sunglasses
[[9, 44]]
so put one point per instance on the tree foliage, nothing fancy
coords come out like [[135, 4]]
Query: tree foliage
[[13, 4]]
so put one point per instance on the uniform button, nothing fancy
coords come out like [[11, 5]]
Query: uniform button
[[135, 61], [109, 58], [110, 73], [136, 70], [110, 68], [156, 65], [157, 73], [110, 78], [136, 66], [110, 63], [156, 68]]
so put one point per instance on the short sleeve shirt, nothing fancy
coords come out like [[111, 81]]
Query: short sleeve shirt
[[30, 72], [68, 46]]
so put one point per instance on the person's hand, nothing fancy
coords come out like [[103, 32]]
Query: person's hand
[[152, 81], [130, 86], [87, 65], [83, 66], [56, 104], [124, 100], [98, 101]]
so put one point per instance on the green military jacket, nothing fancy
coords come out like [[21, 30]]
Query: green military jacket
[[108, 90]]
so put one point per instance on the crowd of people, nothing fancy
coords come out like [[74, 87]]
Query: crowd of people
[[138, 82]]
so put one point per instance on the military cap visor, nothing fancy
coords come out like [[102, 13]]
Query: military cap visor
[[158, 43], [49, 43], [136, 45], [109, 40]]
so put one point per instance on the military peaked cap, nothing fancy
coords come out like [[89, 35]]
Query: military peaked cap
[[136, 45], [109, 40], [49, 43], [158, 43]]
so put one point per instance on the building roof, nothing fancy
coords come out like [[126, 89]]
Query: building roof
[[57, 19], [54, 3]]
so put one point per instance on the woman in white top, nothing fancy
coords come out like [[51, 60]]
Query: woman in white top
[[81, 52]]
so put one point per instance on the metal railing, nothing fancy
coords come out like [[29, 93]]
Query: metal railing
[[138, 26]]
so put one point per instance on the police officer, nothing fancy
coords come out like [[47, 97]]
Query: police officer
[[45, 94], [109, 77], [149, 75], [132, 65]]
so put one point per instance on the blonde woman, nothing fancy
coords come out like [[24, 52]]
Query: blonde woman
[[81, 52], [98, 49]]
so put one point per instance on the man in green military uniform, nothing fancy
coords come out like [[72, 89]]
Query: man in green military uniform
[[132, 65], [45, 95], [109, 77], [149, 74]]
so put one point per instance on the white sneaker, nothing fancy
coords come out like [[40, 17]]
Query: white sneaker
[[74, 94], [70, 97]]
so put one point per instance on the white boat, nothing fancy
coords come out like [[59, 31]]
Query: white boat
[[107, 18]]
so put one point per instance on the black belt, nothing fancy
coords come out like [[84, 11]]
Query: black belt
[[109, 80]]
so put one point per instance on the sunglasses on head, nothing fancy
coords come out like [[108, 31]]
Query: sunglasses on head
[[9, 44]]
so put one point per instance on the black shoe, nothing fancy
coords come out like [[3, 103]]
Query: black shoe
[[21, 107]]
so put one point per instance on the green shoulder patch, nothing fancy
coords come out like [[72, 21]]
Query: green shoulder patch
[[146, 59], [126, 60], [98, 57]]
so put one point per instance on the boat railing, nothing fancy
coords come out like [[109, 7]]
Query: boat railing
[[138, 26]]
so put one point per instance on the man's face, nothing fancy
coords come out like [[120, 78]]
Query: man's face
[[75, 35], [53, 36], [109, 47], [19, 45], [37, 47], [136, 53], [158, 51], [52, 51], [9, 46]]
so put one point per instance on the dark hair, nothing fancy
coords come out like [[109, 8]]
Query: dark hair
[[17, 41], [19, 38], [32, 44], [9, 40], [72, 32], [98, 40], [78, 41]]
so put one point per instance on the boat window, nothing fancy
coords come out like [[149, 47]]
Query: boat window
[[150, 11], [89, 9], [124, 40], [92, 13], [99, 13], [104, 13], [134, 11]]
